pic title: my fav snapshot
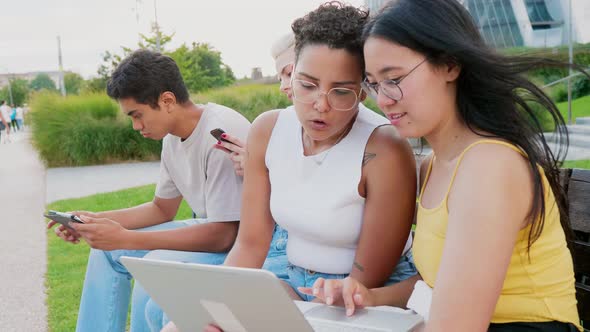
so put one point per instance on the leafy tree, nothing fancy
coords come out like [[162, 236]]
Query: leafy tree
[[201, 67], [97, 84], [200, 64], [110, 62], [151, 42], [42, 81], [73, 83], [20, 91]]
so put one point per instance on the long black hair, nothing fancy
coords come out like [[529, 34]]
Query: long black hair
[[494, 98]]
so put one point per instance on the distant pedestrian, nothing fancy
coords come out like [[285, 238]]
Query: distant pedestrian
[[13, 118], [3, 125], [5, 113], [20, 116]]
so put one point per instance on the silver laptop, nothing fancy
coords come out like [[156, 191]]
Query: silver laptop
[[245, 300]]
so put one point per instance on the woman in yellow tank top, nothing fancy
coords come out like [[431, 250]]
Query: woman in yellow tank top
[[491, 228]]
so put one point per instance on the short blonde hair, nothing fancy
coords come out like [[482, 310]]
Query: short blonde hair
[[283, 51]]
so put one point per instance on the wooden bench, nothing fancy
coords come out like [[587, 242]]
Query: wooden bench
[[577, 185]]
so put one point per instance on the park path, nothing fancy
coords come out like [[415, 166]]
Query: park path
[[73, 182], [23, 240], [25, 188]]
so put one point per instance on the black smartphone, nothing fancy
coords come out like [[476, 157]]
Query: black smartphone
[[217, 132]]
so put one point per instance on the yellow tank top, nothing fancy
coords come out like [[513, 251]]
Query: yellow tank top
[[538, 290]]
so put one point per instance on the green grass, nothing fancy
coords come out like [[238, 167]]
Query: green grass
[[66, 264], [583, 164], [580, 108]]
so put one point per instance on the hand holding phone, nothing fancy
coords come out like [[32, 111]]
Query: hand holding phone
[[217, 134], [63, 218]]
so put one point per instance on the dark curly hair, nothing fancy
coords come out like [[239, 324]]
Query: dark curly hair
[[144, 75], [337, 25]]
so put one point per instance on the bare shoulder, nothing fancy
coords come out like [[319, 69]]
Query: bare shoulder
[[493, 185], [265, 122], [494, 173], [386, 143], [262, 127], [387, 151], [495, 160]]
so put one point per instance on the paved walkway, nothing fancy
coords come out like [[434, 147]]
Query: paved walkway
[[23, 243], [72, 182], [23, 196]]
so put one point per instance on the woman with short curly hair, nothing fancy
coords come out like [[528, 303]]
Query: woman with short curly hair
[[329, 162], [334, 174]]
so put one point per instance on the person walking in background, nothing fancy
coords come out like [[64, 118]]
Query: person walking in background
[[20, 116], [13, 118], [4, 126], [5, 110]]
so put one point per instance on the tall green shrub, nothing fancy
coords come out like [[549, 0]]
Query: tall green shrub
[[85, 130], [250, 100], [580, 87], [253, 99]]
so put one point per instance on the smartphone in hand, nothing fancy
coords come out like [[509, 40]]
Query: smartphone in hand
[[217, 134], [63, 218]]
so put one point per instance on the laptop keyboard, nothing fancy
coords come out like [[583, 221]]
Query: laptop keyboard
[[331, 326]]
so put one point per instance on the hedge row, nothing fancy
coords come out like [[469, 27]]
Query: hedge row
[[85, 130]]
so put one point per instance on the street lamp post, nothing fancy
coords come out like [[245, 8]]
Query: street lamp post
[[62, 83], [157, 27], [10, 92], [9, 85]]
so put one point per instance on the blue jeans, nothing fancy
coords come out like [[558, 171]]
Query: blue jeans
[[107, 287], [300, 277], [276, 262]]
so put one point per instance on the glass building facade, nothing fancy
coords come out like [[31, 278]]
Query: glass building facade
[[496, 21], [514, 23], [539, 15]]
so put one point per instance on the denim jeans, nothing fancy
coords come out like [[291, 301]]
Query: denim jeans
[[300, 277], [107, 287], [276, 262]]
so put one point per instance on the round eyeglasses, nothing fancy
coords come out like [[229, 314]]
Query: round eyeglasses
[[390, 88], [339, 99]]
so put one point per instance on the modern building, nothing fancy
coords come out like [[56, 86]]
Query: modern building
[[532, 23]]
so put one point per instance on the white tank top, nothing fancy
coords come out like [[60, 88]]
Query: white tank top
[[315, 198]]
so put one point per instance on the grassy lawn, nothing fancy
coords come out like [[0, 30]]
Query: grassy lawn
[[580, 108], [584, 164], [66, 263]]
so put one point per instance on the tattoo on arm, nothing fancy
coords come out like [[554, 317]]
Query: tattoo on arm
[[358, 266], [368, 157]]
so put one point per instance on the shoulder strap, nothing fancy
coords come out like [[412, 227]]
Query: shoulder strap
[[483, 141]]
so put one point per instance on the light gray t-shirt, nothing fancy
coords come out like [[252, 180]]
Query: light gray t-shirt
[[201, 174]]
